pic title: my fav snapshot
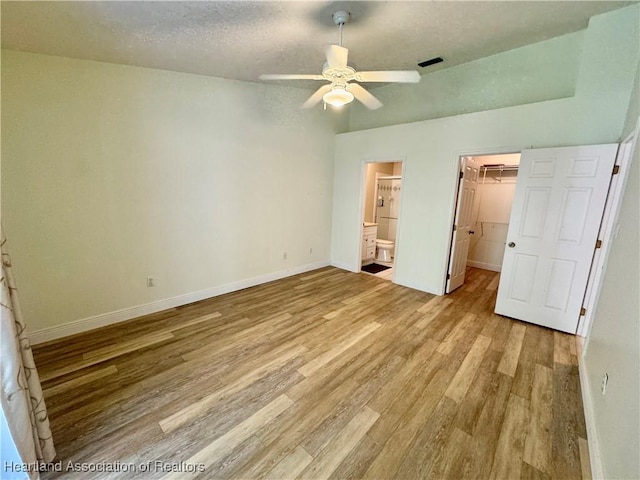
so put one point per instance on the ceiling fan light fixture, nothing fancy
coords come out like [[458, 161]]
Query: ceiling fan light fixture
[[344, 81], [338, 96]]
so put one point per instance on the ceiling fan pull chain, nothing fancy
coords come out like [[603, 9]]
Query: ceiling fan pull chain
[[341, 25]]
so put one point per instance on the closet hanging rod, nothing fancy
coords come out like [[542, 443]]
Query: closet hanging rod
[[499, 166]]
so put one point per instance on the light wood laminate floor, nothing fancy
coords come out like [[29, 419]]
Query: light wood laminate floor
[[328, 374]]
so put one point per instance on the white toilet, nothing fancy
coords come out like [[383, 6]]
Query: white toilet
[[384, 248]]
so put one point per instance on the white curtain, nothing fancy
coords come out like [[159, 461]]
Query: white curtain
[[21, 395]]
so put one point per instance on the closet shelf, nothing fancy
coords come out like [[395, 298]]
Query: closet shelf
[[500, 167], [497, 167]]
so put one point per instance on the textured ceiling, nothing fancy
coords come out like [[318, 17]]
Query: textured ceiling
[[240, 40]]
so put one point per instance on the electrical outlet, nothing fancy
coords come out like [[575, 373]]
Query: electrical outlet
[[151, 282], [605, 381], [284, 256]]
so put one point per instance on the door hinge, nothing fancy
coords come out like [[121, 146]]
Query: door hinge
[[599, 244], [461, 175], [448, 276], [455, 228], [583, 312], [616, 169]]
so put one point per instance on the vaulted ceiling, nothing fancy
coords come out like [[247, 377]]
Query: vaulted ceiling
[[241, 39]]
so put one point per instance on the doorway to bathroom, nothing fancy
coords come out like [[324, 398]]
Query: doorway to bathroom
[[483, 209], [381, 214]]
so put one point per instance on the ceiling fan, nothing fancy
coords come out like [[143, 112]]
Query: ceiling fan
[[343, 89]]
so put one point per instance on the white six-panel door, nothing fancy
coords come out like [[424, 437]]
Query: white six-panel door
[[557, 209], [462, 225]]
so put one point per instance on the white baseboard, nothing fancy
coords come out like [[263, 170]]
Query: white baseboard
[[597, 472], [109, 318], [484, 266], [344, 266]]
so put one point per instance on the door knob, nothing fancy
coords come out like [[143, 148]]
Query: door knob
[[512, 244]]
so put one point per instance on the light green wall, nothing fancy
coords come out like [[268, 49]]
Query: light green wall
[[607, 70], [604, 98], [534, 73], [634, 106], [613, 346], [431, 150], [111, 173]]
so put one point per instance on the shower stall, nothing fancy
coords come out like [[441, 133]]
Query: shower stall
[[388, 206]]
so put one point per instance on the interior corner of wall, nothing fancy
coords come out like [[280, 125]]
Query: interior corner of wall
[[611, 48], [607, 68]]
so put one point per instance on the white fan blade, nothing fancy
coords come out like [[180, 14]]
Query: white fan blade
[[369, 101], [396, 76], [317, 96], [277, 76], [337, 56]]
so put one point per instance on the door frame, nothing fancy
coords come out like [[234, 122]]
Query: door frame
[[363, 192], [608, 232], [454, 201]]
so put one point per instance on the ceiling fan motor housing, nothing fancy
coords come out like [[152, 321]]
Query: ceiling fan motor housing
[[339, 74]]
